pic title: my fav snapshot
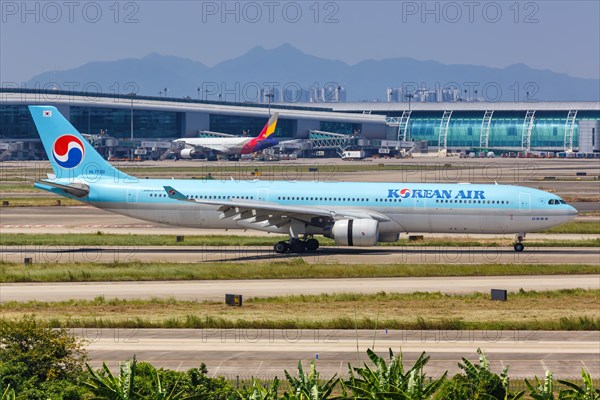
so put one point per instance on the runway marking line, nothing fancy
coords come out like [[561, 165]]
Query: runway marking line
[[259, 367]]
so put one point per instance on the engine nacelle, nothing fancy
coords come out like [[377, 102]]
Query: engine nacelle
[[187, 153], [355, 232]]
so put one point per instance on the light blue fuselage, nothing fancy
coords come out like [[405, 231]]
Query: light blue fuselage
[[410, 207]]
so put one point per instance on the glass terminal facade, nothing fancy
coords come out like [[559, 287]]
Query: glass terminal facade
[[344, 128], [506, 129], [464, 129], [116, 122], [237, 125], [16, 123]]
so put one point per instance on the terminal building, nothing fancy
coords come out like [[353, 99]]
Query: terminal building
[[452, 126]]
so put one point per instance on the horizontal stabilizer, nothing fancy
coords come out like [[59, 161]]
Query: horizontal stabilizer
[[75, 189]]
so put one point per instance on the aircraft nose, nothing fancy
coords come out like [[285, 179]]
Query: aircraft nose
[[572, 211]]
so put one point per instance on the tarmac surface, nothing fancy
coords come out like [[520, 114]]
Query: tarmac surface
[[267, 353], [449, 255], [215, 290]]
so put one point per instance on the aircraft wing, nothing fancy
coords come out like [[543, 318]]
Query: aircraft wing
[[204, 148], [276, 214]]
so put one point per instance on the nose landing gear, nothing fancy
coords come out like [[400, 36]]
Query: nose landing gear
[[519, 237]]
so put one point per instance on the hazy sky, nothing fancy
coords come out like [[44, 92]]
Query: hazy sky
[[563, 36]]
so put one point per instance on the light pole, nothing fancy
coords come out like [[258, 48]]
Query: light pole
[[269, 98], [409, 96], [476, 99], [199, 91], [466, 98], [166, 90], [132, 95]]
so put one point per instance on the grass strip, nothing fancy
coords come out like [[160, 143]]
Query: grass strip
[[288, 269], [102, 239], [40, 201], [570, 309], [590, 227]]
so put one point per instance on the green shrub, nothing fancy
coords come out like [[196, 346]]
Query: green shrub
[[390, 381], [35, 360], [477, 382]]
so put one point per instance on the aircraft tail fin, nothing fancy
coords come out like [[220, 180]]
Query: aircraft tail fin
[[269, 128], [70, 155]]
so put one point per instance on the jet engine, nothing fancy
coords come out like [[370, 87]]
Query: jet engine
[[355, 232], [187, 153]]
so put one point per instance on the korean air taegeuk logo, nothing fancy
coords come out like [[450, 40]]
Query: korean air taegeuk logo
[[68, 151]]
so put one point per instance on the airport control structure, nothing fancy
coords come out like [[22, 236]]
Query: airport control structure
[[116, 124]]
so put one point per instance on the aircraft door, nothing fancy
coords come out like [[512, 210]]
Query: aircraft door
[[422, 218], [263, 194], [524, 202], [420, 203], [132, 195]]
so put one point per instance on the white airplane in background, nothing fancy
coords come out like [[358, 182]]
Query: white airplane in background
[[232, 146], [352, 213]]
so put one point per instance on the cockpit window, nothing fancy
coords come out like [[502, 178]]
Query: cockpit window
[[563, 202], [556, 201], [551, 201]]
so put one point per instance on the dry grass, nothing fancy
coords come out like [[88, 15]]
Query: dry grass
[[564, 309]]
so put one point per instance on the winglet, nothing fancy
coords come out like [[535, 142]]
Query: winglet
[[174, 194]]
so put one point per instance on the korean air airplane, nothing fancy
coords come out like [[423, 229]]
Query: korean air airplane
[[231, 146], [352, 213]]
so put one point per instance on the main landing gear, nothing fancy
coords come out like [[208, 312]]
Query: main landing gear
[[519, 237], [295, 245]]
